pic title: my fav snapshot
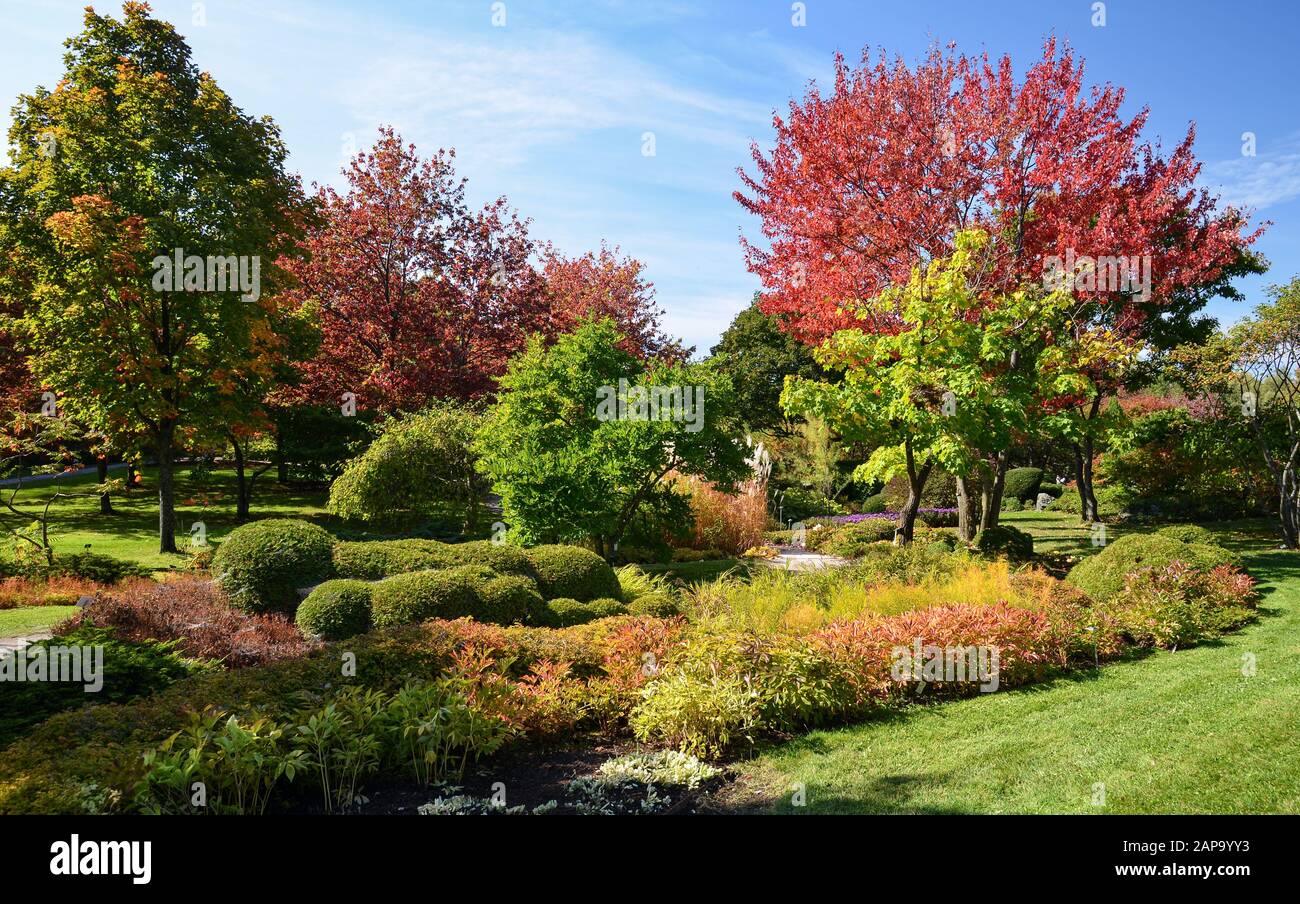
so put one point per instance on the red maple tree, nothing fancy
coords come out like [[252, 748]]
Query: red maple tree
[[603, 284], [878, 175], [417, 295]]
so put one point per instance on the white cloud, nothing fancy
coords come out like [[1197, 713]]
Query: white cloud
[[1259, 182]]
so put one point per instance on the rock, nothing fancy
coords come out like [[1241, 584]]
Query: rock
[[1044, 500]]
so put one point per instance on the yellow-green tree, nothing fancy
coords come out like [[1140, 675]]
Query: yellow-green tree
[[134, 161]]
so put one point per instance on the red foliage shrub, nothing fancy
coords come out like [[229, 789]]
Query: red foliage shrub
[[195, 613]]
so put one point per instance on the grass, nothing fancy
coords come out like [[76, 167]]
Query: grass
[[132, 533], [30, 619], [1182, 732]]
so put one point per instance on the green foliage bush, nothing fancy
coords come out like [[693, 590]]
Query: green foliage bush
[[260, 566], [940, 491], [1177, 604], [1005, 540], [850, 541], [647, 594], [1102, 576], [1111, 502], [89, 566], [500, 557], [1188, 533], [1022, 483], [799, 504], [420, 465], [564, 613], [130, 670], [371, 560], [874, 505], [572, 572], [448, 593], [336, 609], [510, 599]]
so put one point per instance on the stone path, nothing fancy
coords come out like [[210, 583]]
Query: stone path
[[793, 558], [13, 644]]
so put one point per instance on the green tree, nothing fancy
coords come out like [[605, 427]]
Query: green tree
[[959, 376], [757, 354], [584, 435], [420, 465], [134, 155]]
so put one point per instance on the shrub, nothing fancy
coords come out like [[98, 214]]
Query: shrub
[[91, 566], [874, 505], [500, 557], [193, 614], [1103, 575], [646, 594], [853, 540], [1177, 604], [572, 572], [1051, 489], [940, 491], [564, 613], [129, 670], [371, 560], [421, 595], [508, 599], [700, 716], [261, 565], [1005, 540], [1188, 533], [799, 504], [1022, 483], [420, 465], [336, 610], [1111, 502], [1012, 504]]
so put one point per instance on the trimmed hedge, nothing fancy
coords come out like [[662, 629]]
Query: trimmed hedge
[[1188, 533], [1005, 540], [421, 595], [1022, 483], [1102, 576], [510, 598], [500, 557], [260, 566], [565, 613], [571, 572], [371, 560], [336, 610]]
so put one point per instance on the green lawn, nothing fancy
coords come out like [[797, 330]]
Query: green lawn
[[132, 533], [1181, 732], [694, 572], [30, 619]]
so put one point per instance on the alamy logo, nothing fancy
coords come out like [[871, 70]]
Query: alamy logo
[[932, 664], [625, 402], [1127, 275], [193, 273], [56, 664], [103, 858]]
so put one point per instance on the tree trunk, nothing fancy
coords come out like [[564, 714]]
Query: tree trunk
[[965, 510], [166, 490], [1288, 511], [1088, 510], [991, 495], [130, 476], [101, 471], [915, 484], [281, 466], [242, 487]]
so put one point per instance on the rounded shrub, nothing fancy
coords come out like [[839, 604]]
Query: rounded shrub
[[1102, 576], [654, 605], [565, 612], [853, 540], [421, 595], [572, 572], [336, 610], [1022, 483], [371, 560], [500, 557], [1188, 533], [509, 599], [260, 566], [1005, 540], [874, 505]]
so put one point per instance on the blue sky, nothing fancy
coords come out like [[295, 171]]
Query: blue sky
[[551, 109]]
